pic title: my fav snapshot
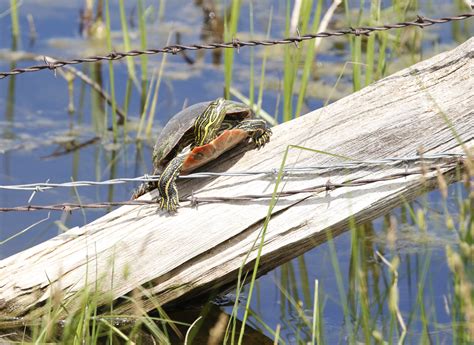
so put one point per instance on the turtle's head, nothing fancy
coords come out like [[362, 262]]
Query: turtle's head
[[239, 110], [208, 123]]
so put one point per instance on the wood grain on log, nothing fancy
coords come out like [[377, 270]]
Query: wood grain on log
[[429, 105]]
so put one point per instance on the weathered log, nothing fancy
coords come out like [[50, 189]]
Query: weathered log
[[429, 105]]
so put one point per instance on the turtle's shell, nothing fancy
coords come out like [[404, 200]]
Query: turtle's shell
[[181, 126]]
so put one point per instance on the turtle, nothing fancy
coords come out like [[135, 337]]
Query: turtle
[[195, 136]]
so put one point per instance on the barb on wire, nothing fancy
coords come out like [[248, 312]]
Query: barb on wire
[[359, 164], [236, 43], [328, 186]]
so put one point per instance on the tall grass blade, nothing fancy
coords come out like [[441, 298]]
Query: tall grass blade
[[14, 19], [127, 45], [252, 58], [151, 114], [144, 57], [230, 30], [288, 71], [261, 86], [316, 330], [309, 60], [111, 72], [340, 287], [272, 204]]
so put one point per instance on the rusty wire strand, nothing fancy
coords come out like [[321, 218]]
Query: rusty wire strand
[[194, 201], [358, 164], [420, 22]]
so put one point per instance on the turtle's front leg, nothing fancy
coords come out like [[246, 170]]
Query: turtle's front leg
[[257, 130], [169, 198]]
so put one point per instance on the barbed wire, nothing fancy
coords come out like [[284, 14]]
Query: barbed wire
[[357, 164], [455, 160], [328, 186], [236, 43]]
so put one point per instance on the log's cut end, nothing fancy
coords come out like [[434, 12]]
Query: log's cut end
[[141, 249]]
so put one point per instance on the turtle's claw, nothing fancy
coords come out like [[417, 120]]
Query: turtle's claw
[[263, 138], [170, 205]]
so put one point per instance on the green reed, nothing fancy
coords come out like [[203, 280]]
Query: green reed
[[261, 85], [230, 31], [292, 55], [288, 70], [111, 71], [126, 43], [309, 60], [143, 58], [252, 59], [151, 115], [14, 19]]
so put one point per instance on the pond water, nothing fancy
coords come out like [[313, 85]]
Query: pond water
[[50, 134]]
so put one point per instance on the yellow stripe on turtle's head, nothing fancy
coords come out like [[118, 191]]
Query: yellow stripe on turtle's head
[[208, 123]]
